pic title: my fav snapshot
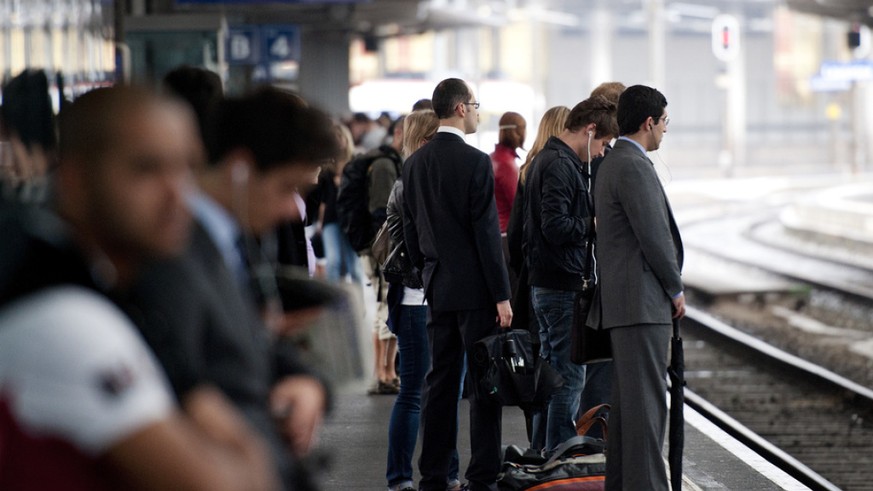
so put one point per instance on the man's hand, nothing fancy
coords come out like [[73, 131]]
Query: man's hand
[[297, 321], [679, 306], [298, 403], [504, 314]]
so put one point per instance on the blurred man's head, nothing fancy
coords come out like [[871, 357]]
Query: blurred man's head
[[455, 105], [396, 132], [422, 104], [610, 90], [513, 130], [359, 125], [125, 160], [199, 87], [266, 146], [642, 115]]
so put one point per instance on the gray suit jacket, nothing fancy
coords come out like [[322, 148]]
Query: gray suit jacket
[[639, 250]]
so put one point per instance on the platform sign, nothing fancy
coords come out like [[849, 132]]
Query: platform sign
[[847, 71], [725, 37], [280, 42], [243, 46]]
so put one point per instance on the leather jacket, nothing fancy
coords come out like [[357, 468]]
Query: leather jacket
[[398, 268]]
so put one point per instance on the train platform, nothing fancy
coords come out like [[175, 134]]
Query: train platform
[[355, 438]]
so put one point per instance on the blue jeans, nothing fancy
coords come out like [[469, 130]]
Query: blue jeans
[[554, 314], [412, 347], [341, 257]]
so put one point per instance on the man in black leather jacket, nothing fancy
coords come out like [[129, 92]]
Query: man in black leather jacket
[[558, 224]]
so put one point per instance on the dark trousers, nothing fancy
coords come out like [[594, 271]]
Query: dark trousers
[[638, 417], [450, 335]]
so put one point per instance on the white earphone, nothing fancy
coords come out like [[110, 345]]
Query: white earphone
[[240, 172]]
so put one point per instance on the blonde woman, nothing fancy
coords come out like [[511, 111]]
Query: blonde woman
[[408, 314], [551, 125]]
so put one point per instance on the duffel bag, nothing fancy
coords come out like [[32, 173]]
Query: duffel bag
[[578, 464]]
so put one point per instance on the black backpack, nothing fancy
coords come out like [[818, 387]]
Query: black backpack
[[353, 198]]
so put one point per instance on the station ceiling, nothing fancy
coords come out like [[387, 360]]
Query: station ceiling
[[850, 10], [380, 17]]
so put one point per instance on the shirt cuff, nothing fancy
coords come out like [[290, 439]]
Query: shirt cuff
[[674, 297]]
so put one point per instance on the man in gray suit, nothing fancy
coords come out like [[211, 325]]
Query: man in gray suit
[[639, 253]]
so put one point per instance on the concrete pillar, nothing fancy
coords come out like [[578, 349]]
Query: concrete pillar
[[601, 36], [324, 70], [657, 42]]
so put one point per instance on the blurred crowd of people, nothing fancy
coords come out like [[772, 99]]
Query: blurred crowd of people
[[164, 249]]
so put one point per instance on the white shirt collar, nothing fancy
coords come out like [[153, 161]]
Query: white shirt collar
[[220, 225], [452, 130]]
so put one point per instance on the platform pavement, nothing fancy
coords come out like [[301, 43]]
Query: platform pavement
[[355, 437]]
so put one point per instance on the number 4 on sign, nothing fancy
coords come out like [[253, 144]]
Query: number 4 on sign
[[280, 48]]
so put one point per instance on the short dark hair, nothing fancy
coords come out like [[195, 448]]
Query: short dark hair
[[597, 110], [27, 112], [276, 126], [361, 118], [422, 104], [88, 126], [200, 88], [635, 105], [447, 95]]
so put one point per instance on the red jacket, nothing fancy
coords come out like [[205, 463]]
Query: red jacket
[[505, 181]]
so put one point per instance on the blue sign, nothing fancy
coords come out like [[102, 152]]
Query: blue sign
[[847, 71], [243, 46], [253, 45], [281, 43]]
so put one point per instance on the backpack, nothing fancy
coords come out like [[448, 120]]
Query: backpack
[[353, 198]]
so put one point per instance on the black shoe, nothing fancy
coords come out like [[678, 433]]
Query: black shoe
[[383, 388]]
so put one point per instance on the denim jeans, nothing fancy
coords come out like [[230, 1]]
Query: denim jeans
[[341, 257], [412, 347], [554, 314]]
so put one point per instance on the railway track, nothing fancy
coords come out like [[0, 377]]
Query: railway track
[[815, 424], [821, 419]]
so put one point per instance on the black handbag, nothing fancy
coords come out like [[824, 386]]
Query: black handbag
[[588, 344], [510, 373]]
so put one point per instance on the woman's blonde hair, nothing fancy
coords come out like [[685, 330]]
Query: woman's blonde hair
[[551, 125], [418, 127], [346, 145]]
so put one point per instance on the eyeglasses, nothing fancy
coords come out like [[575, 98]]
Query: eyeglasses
[[666, 120], [474, 104]]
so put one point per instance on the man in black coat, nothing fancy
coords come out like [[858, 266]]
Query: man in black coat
[[199, 312], [453, 235]]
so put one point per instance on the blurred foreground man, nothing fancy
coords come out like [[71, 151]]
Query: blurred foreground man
[[83, 404], [199, 312], [453, 235], [639, 254]]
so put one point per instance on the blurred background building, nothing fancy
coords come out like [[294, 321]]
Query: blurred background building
[[753, 85]]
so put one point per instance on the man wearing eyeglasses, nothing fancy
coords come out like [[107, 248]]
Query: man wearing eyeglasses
[[639, 254], [453, 235]]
